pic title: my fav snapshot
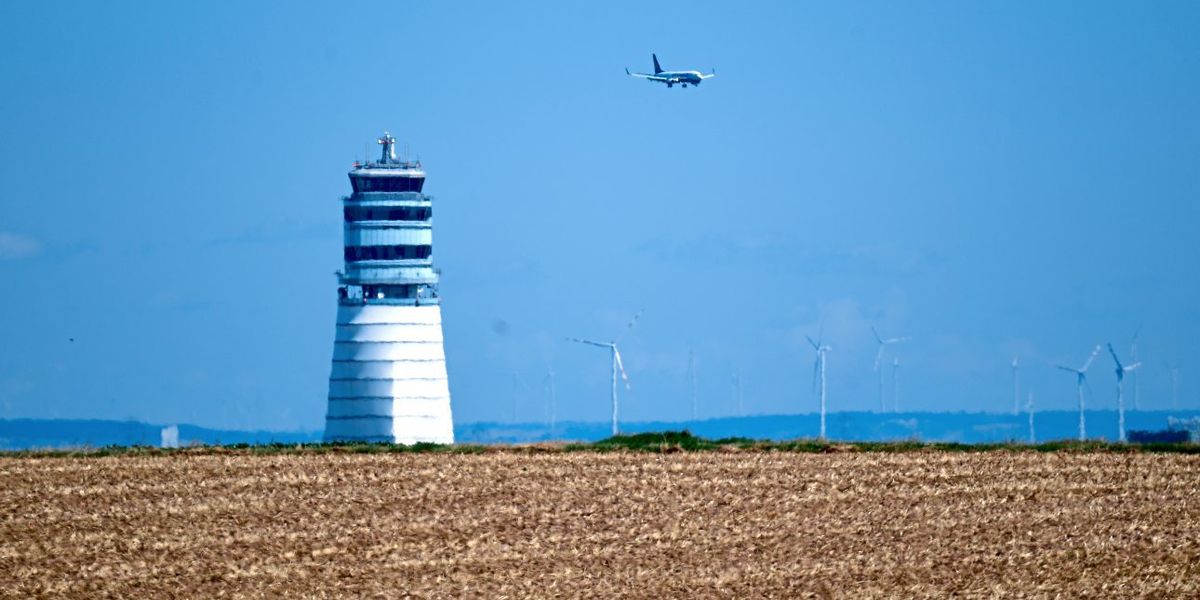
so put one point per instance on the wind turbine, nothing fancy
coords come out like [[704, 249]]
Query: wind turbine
[[1016, 386], [1080, 381], [1029, 409], [879, 358], [1174, 386], [737, 393], [1121, 370], [1133, 355], [548, 386], [617, 366], [819, 370], [895, 384]]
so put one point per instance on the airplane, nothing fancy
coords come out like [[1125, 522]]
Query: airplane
[[673, 77]]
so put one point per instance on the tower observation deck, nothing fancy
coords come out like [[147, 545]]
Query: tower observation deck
[[388, 381]]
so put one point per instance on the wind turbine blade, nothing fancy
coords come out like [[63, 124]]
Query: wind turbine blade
[[1091, 358], [820, 334], [896, 339], [1133, 366], [630, 325], [815, 345], [1114, 357], [1068, 369], [876, 334], [590, 342], [621, 367]]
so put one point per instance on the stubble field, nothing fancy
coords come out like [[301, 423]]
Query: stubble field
[[586, 524]]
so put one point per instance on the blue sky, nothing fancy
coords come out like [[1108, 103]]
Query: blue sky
[[992, 179]]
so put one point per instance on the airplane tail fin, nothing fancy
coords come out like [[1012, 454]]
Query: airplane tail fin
[[657, 69]]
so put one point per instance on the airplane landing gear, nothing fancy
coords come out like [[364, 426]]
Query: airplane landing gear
[[685, 85]]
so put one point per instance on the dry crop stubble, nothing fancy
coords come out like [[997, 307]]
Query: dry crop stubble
[[513, 524]]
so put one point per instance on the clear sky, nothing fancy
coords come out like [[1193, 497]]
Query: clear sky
[[992, 179]]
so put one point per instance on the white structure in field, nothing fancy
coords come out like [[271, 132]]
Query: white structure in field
[[388, 382]]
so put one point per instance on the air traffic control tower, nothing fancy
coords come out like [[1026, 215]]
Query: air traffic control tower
[[388, 382]]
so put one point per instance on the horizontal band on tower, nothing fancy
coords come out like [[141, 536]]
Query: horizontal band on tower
[[385, 360], [378, 417], [347, 379], [366, 342], [388, 398], [402, 324]]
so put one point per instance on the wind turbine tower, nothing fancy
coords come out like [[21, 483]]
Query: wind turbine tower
[[618, 368], [552, 397], [819, 373], [1029, 409], [1121, 370], [895, 384], [737, 394], [1174, 386], [388, 379], [1080, 381], [883, 343], [1016, 381]]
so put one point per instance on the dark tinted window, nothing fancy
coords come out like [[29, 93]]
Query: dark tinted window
[[387, 213], [405, 252], [387, 184]]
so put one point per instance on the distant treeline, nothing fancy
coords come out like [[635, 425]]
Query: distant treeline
[[961, 428], [662, 442]]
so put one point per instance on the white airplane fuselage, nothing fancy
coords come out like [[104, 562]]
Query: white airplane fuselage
[[682, 77]]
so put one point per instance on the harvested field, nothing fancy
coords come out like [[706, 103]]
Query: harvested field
[[510, 524]]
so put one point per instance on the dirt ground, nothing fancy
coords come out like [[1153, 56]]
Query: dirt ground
[[506, 524]]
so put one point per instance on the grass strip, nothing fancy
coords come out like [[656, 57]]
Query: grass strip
[[656, 442]]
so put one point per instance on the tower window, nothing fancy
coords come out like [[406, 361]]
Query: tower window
[[398, 252], [353, 214], [387, 184]]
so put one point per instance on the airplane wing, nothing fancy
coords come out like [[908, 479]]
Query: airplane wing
[[646, 76]]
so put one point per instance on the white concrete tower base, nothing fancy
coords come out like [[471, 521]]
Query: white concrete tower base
[[388, 382]]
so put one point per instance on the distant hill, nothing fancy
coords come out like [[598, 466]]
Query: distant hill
[[19, 434]]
